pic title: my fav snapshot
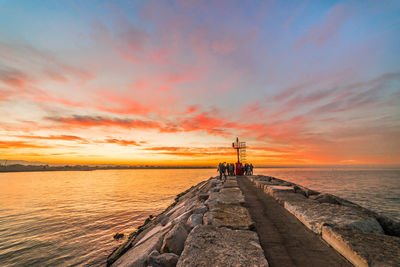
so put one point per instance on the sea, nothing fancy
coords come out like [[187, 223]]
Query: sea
[[69, 218]]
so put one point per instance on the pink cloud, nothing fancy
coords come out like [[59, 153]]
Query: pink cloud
[[14, 78]]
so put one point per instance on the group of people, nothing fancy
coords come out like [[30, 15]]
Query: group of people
[[247, 169], [229, 169]]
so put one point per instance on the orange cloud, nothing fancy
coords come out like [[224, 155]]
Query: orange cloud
[[122, 142], [93, 121], [54, 137], [193, 151], [20, 144]]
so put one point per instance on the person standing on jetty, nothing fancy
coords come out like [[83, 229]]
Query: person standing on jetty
[[231, 169], [222, 170], [251, 168]]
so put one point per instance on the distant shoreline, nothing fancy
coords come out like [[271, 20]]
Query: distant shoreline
[[23, 168], [41, 168]]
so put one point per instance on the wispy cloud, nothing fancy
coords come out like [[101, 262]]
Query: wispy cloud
[[20, 144], [322, 33], [122, 142], [54, 137]]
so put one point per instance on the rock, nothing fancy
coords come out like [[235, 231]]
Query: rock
[[137, 255], [182, 207], [315, 215], [164, 221], [194, 220], [174, 240], [118, 236], [226, 196], [264, 184], [331, 199], [289, 196], [212, 246], [231, 216], [364, 249], [231, 183], [154, 253], [305, 191], [203, 196], [200, 209], [278, 188], [182, 218], [156, 259], [390, 226], [261, 178], [326, 198], [215, 183], [205, 187]]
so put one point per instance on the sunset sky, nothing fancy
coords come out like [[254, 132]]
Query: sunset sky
[[174, 82]]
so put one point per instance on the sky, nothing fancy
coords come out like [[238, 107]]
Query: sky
[[175, 82]]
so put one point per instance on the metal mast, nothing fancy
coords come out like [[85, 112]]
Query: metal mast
[[240, 149]]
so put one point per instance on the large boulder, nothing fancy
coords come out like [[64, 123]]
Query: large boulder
[[283, 196], [202, 196], [155, 259], [272, 189], [305, 191], [226, 196], [389, 225], [219, 246], [199, 209], [315, 215], [174, 240], [364, 249], [194, 220], [137, 256], [231, 216], [230, 183]]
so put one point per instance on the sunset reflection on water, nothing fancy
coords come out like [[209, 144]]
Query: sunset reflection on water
[[53, 218]]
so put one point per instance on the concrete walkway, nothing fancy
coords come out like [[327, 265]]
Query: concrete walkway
[[284, 239]]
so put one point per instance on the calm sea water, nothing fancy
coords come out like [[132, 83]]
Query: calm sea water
[[69, 218]]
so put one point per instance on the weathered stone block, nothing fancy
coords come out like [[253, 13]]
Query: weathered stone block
[[331, 199], [278, 188], [155, 259], [231, 216], [315, 215], [174, 240], [200, 209], [226, 196], [389, 225], [305, 191], [231, 183], [202, 196], [211, 246], [289, 196], [137, 256], [264, 184], [194, 220], [364, 249]]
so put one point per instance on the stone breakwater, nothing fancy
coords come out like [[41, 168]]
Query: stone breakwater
[[208, 225], [363, 237]]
